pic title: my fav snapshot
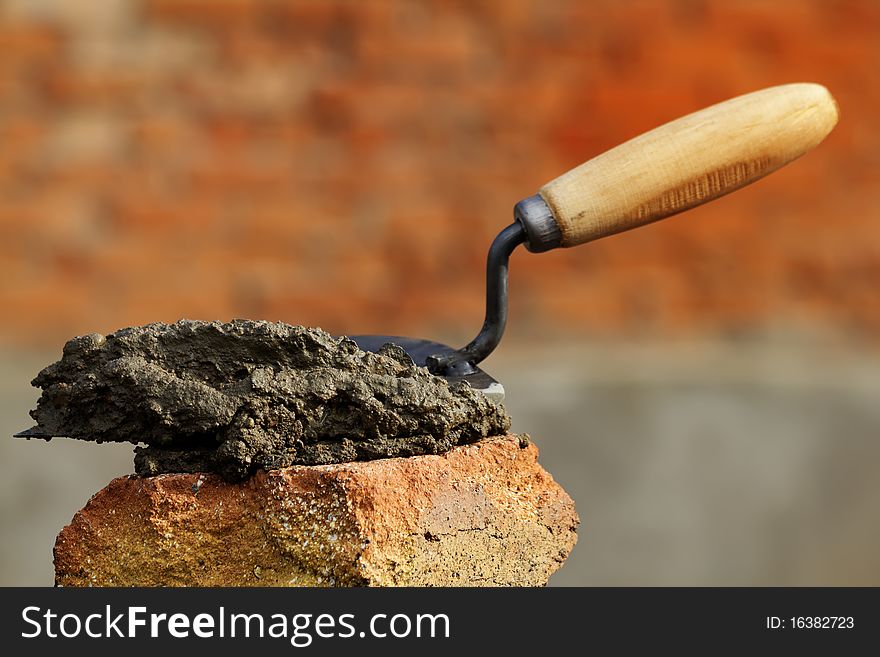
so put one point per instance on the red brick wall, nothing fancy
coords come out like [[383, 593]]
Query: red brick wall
[[346, 164]]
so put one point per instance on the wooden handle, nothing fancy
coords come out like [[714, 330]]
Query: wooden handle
[[689, 161]]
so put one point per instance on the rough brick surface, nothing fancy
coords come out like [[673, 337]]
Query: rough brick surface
[[345, 164], [484, 514]]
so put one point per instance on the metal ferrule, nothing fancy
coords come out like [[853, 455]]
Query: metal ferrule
[[542, 229]]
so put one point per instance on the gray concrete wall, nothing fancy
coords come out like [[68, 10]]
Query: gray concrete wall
[[691, 464]]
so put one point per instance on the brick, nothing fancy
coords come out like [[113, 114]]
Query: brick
[[26, 43], [208, 13], [484, 514], [72, 87]]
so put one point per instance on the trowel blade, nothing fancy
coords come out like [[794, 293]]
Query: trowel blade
[[419, 350], [36, 432]]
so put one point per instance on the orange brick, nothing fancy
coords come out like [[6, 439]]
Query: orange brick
[[28, 42], [210, 13]]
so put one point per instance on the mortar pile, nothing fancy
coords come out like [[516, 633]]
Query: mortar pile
[[235, 397]]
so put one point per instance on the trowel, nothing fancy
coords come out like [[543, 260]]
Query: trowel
[[673, 168], [668, 170]]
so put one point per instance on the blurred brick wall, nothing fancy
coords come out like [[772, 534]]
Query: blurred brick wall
[[346, 164]]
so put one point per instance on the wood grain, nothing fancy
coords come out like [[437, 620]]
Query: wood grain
[[690, 161]]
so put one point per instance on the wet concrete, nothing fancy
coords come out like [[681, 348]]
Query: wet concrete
[[235, 397]]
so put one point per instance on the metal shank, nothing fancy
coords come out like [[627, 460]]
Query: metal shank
[[462, 362]]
